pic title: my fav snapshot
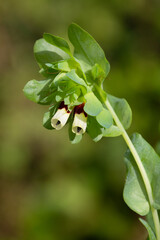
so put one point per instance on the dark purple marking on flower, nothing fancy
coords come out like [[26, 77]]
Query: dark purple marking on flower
[[79, 129], [79, 109], [62, 105], [58, 122]]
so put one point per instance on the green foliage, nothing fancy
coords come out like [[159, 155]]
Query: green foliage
[[58, 42], [86, 49], [74, 77], [135, 194], [149, 229], [122, 109], [47, 53], [63, 65], [112, 131], [94, 130], [48, 116], [39, 91], [98, 73], [93, 106], [105, 118]]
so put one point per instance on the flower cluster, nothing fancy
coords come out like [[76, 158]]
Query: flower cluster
[[60, 118], [73, 85]]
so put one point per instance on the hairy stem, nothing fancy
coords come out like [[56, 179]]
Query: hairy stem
[[140, 166]]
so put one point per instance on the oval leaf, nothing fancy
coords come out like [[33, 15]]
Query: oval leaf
[[94, 129], [104, 118], [74, 77], [93, 106], [122, 109], [149, 229], [134, 191], [87, 50], [47, 53], [63, 65], [113, 131], [38, 91], [58, 42]]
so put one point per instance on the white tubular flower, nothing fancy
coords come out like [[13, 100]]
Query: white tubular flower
[[80, 120], [60, 117]]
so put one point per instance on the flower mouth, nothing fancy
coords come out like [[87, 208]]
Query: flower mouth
[[57, 124], [78, 130]]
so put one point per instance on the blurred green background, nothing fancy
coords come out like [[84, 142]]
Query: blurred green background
[[50, 189]]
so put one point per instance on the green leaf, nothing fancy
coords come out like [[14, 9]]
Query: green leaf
[[92, 106], [64, 65], [75, 138], [87, 51], [134, 191], [122, 109], [61, 77], [48, 116], [47, 100], [39, 91], [59, 66], [95, 75], [72, 96], [113, 131], [98, 74], [104, 118], [149, 229], [47, 53], [94, 129], [74, 77], [99, 92], [58, 42], [149, 219], [49, 72], [135, 194]]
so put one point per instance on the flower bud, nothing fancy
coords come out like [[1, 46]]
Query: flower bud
[[60, 117], [80, 120]]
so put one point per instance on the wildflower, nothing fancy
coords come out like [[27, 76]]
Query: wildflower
[[60, 117], [80, 120]]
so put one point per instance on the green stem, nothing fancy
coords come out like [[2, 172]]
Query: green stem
[[140, 166]]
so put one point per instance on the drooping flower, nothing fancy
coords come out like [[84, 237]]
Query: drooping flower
[[62, 114], [80, 120], [60, 117]]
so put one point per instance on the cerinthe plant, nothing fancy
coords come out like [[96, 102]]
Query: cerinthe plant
[[73, 87]]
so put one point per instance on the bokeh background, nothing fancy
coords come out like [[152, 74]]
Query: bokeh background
[[50, 189]]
